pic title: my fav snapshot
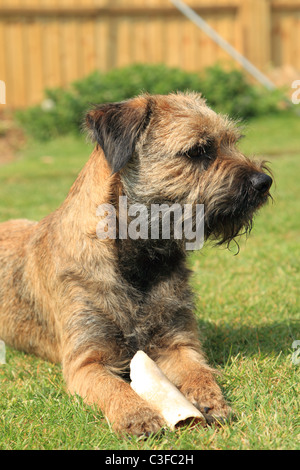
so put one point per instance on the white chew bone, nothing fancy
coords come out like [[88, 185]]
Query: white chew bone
[[149, 382]]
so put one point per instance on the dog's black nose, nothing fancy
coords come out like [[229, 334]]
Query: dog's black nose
[[261, 182]]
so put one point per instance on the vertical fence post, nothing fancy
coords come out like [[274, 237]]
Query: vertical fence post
[[255, 18]]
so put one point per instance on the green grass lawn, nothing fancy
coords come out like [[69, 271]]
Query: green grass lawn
[[247, 305]]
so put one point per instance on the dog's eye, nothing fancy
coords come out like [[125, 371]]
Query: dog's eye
[[199, 152]]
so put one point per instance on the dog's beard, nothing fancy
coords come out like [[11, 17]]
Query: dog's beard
[[232, 217]]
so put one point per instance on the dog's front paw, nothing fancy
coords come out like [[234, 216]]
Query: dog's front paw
[[213, 406], [141, 421], [217, 413], [207, 397]]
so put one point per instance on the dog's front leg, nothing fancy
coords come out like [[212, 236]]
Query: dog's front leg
[[186, 367], [88, 376]]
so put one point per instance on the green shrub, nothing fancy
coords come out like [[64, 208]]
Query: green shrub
[[63, 111], [231, 93]]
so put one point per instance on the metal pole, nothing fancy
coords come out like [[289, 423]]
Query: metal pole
[[246, 64]]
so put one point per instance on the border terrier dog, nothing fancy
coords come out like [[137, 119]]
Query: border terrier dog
[[89, 303]]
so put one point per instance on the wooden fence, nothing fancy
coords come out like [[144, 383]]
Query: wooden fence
[[47, 43]]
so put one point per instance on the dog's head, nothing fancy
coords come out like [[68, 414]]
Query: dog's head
[[175, 149]]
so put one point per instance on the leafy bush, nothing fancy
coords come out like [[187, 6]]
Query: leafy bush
[[63, 111], [231, 93]]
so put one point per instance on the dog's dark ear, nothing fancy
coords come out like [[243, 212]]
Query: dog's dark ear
[[117, 126]]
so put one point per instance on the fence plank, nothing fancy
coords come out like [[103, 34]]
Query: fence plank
[[52, 50], [34, 72], [15, 57]]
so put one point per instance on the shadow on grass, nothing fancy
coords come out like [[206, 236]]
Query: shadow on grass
[[223, 341]]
